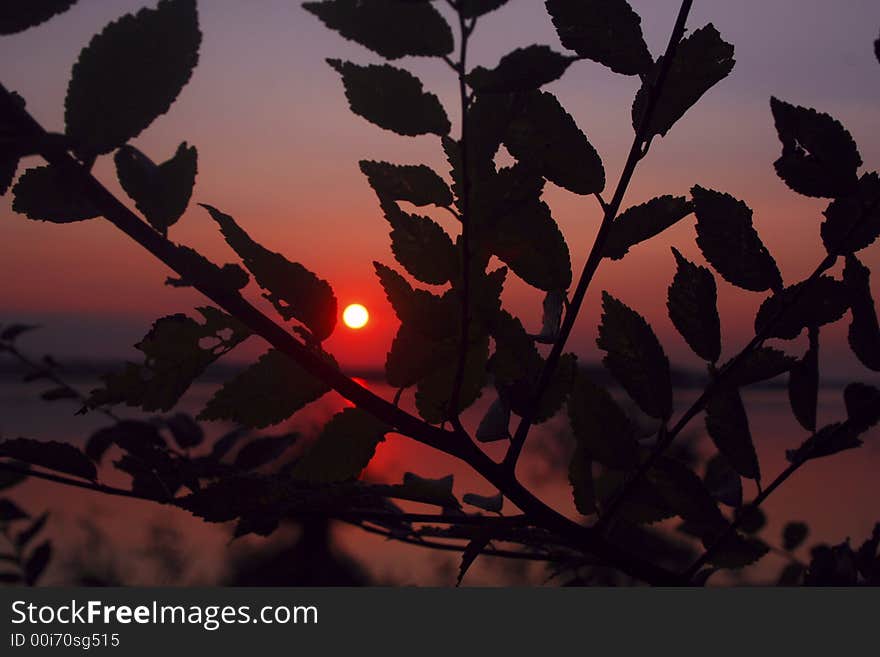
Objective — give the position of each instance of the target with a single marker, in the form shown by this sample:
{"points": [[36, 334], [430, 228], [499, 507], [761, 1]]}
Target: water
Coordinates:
{"points": [[136, 542]]}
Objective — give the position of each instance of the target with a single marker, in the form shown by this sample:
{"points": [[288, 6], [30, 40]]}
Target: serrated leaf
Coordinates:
{"points": [[606, 31], [524, 69], [728, 426], [343, 449], [390, 28], [196, 269], [862, 405], [19, 15], [476, 8], [693, 308], [635, 357], [793, 535], [737, 551], [759, 365], [701, 61], [803, 384], [642, 222], [827, 441], [495, 424], [421, 245], [490, 503], [816, 302], [177, 350], [130, 74], [819, 157], [161, 192], [51, 454], [46, 194], [266, 393], [392, 98], [832, 566], [416, 184], [546, 137], [186, 431], [294, 291], [864, 330], [685, 494], [852, 222], [411, 358], [263, 450], [434, 392], [723, 482], [36, 563], [601, 428], [644, 503], [580, 476], [729, 242], [521, 394], [429, 315]]}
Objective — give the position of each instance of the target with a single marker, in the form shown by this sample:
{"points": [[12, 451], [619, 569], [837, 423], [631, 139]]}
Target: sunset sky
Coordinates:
{"points": [[278, 150]]}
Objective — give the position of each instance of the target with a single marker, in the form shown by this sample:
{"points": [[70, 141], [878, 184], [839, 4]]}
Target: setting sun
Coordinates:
{"points": [[355, 316]]}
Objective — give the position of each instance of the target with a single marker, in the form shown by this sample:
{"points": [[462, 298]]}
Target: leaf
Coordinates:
{"points": [[343, 449], [19, 15], [546, 137], [28, 534], [434, 393], [730, 243], [390, 28], [293, 290], [580, 476], [8, 169], [723, 482], [852, 222], [422, 246], [693, 308], [515, 357], [606, 31], [177, 350], [8, 478], [51, 454], [832, 566], [728, 426], [551, 317], [814, 302], [196, 269], [476, 8], [524, 69], [266, 393], [37, 562], [263, 450], [412, 358], [13, 331], [758, 365], [819, 157], [793, 535], [635, 357], [227, 441], [701, 61], [803, 384], [47, 194], [738, 551], [161, 192], [751, 519], [416, 184], [10, 512], [829, 440], [601, 428], [495, 424], [491, 503], [644, 504], [130, 74], [862, 405], [433, 491], [864, 331], [642, 222], [431, 316], [791, 575], [521, 394], [472, 550], [684, 493], [392, 98], [186, 431]]}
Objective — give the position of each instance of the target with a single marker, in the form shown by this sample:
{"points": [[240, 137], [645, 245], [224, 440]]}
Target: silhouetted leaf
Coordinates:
{"points": [[551, 317], [161, 192], [829, 440], [293, 290], [266, 393], [635, 357], [793, 535], [12, 332], [524, 69], [723, 481], [816, 302], [431, 316], [10, 511], [832, 566], [19, 15], [343, 448], [601, 428], [853, 222], [36, 563], [803, 384], [580, 476], [819, 156], [642, 222], [186, 431], [434, 491], [701, 61], [791, 575], [27, 535], [644, 504], [864, 331], [475, 8], [46, 194], [130, 74], [491, 503], [693, 308], [392, 99], [261, 451], [8, 169], [751, 519], [416, 184], [434, 393], [606, 31], [515, 357], [546, 137], [738, 551], [472, 550], [730, 243], [195, 269], [495, 424], [759, 365], [728, 426], [421, 245], [862, 405], [51, 455], [391, 28], [685, 494], [867, 558], [227, 441], [412, 357], [176, 351]]}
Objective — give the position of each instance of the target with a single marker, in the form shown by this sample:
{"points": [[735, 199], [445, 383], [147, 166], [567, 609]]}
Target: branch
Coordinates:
{"points": [[636, 153], [78, 483]]}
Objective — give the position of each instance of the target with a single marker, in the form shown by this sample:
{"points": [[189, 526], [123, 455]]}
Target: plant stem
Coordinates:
{"points": [[594, 259]]}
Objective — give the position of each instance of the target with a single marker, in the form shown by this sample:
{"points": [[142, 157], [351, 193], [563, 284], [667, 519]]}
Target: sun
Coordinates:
{"points": [[355, 316]]}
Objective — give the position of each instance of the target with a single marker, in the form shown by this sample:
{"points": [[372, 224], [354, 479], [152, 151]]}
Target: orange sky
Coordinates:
{"points": [[278, 150]]}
